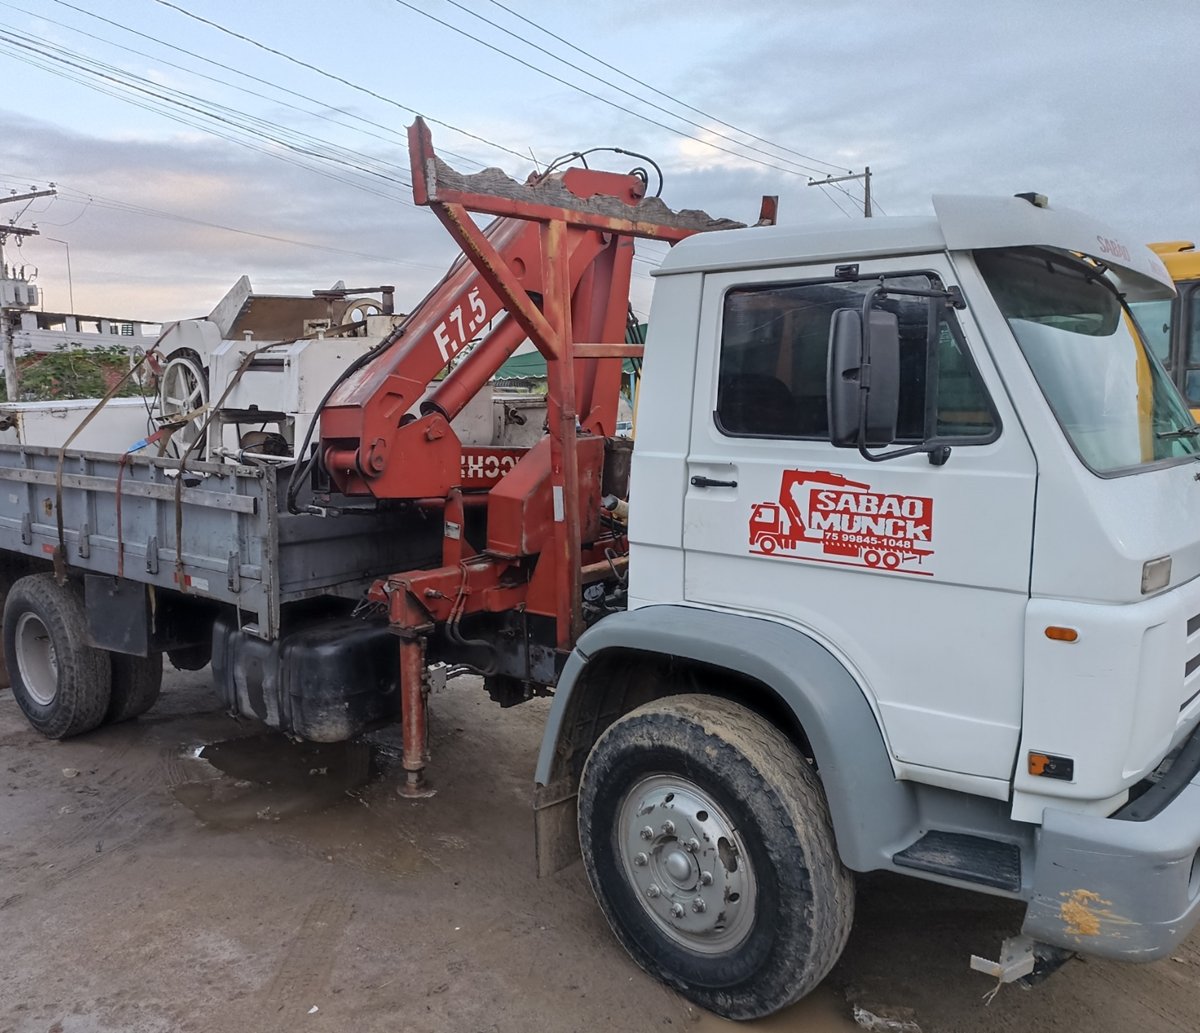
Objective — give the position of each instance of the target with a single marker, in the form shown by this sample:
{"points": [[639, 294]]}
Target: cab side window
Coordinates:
{"points": [[774, 344], [1191, 327]]}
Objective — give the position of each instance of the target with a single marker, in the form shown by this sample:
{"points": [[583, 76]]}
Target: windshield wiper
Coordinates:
{"points": [[1183, 432]]}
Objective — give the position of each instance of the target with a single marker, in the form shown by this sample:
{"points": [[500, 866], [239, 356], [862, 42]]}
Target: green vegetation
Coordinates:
{"points": [[80, 373]]}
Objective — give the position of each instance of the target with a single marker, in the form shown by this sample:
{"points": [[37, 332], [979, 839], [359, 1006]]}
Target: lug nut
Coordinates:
{"points": [[652, 891], [691, 846], [640, 860], [699, 906], [676, 910], [706, 878], [668, 828], [647, 832]]}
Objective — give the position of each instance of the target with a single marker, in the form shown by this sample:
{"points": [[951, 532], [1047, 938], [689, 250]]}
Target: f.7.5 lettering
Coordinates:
{"points": [[453, 332]]}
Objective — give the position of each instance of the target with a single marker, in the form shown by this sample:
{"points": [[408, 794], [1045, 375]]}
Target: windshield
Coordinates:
{"points": [[1111, 396]]}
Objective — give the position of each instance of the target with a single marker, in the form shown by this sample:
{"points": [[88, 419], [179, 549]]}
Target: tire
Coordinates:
{"points": [[8, 577], [748, 813], [136, 683], [61, 683]]}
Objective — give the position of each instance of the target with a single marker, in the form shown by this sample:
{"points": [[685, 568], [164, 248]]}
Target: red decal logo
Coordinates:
{"points": [[825, 517]]}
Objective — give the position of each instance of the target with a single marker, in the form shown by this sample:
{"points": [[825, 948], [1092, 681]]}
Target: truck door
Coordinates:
{"points": [[915, 575]]}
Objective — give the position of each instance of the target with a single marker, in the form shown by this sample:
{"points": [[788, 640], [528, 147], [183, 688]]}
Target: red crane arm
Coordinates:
{"points": [[559, 238], [557, 260]]}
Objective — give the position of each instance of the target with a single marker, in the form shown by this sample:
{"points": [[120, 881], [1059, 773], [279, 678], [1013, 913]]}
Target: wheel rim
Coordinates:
{"points": [[687, 864], [36, 659], [184, 390]]}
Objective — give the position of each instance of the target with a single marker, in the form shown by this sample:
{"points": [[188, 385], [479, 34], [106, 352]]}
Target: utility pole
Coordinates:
{"points": [[11, 299], [865, 176]]}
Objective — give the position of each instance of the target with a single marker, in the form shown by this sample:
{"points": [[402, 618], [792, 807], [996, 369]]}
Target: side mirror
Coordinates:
{"points": [[844, 378]]}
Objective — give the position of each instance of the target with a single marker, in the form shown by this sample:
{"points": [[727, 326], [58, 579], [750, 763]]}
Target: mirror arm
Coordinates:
{"points": [[938, 454]]}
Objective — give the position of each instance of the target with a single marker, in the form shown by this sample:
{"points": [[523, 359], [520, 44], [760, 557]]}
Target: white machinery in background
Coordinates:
{"points": [[250, 377], [264, 362]]}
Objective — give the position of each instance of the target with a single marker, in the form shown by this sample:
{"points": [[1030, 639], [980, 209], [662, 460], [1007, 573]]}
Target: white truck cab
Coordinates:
{"points": [[950, 568]]}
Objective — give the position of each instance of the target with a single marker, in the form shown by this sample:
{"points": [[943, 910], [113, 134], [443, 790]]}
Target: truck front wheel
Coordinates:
{"points": [[707, 841], [61, 683]]}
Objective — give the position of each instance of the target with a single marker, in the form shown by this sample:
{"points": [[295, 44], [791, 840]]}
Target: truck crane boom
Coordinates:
{"points": [[371, 437], [553, 267]]}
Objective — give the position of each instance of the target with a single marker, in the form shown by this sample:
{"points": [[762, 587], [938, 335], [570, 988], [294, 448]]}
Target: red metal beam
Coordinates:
{"points": [[548, 198]]}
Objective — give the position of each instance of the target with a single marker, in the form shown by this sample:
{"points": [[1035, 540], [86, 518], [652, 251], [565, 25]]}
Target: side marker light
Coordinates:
{"points": [[1059, 634], [1047, 765]]}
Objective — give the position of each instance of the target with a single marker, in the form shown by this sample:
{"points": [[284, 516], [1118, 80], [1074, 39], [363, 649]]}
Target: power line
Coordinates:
{"points": [[393, 136], [858, 201], [131, 208], [575, 86], [148, 106], [336, 78], [152, 97], [834, 200], [654, 89], [627, 93]]}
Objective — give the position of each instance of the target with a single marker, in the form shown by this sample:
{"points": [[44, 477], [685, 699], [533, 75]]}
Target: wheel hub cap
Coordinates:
{"points": [[36, 660], [687, 864], [678, 866]]}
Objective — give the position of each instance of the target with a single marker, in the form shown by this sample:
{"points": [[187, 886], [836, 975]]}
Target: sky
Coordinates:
{"points": [[193, 141]]}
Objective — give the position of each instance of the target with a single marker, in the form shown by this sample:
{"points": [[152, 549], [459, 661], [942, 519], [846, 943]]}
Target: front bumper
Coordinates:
{"points": [[1128, 890]]}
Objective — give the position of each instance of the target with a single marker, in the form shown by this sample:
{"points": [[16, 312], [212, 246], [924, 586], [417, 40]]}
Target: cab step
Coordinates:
{"points": [[986, 862]]}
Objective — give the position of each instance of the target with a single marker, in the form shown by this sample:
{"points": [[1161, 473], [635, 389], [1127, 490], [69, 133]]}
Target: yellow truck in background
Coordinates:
{"points": [[1172, 326]]}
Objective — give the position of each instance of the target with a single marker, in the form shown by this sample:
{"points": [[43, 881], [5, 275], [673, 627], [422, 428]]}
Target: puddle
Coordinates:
{"points": [[822, 1011], [269, 778]]}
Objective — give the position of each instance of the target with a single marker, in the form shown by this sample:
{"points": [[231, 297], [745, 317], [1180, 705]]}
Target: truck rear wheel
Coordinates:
{"points": [[61, 683], [136, 684], [707, 841]]}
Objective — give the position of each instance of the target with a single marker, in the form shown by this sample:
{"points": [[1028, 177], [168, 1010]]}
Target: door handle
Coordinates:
{"points": [[708, 482]]}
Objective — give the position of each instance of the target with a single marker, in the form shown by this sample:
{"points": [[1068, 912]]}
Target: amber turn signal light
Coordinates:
{"points": [[1061, 634]]}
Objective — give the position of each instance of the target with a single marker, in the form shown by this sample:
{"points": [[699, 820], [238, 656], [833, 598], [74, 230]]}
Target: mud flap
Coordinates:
{"points": [[555, 827]]}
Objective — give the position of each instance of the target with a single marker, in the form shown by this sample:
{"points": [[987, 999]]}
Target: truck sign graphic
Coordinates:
{"points": [[824, 517]]}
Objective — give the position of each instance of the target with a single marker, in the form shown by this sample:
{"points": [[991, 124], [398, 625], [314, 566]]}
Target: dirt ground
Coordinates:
{"points": [[268, 885]]}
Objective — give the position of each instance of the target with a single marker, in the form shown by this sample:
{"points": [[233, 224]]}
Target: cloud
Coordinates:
{"points": [[1089, 102], [139, 265]]}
